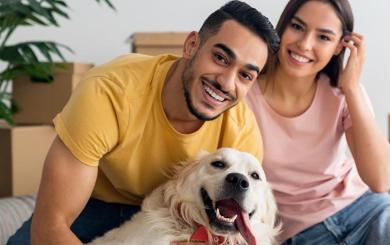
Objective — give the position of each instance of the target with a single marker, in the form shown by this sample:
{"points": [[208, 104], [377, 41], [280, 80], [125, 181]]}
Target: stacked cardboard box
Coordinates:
{"points": [[40, 102], [23, 147], [22, 152], [154, 43]]}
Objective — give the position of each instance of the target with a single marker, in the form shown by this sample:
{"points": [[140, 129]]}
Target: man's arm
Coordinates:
{"points": [[65, 188]]}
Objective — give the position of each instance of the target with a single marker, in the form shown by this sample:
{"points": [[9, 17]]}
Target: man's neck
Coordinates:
{"points": [[174, 102]]}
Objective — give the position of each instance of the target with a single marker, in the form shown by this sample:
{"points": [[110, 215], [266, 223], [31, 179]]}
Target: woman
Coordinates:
{"points": [[304, 104]]}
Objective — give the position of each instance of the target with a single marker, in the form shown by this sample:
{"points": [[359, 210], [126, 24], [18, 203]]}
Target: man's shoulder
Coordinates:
{"points": [[240, 130], [130, 65], [135, 71], [240, 114]]}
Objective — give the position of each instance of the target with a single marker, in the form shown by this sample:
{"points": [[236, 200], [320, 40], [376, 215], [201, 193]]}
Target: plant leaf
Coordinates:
{"points": [[24, 52], [108, 2], [6, 113]]}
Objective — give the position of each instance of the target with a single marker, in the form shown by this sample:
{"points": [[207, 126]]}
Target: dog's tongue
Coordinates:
{"points": [[229, 208]]}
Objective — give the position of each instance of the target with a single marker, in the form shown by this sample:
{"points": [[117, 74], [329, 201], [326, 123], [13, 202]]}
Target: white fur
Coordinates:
{"points": [[161, 221]]}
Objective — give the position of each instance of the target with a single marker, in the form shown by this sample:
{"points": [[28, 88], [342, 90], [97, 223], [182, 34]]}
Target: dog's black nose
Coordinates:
{"points": [[238, 181]]}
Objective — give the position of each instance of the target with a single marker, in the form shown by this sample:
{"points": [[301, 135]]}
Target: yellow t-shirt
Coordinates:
{"points": [[115, 120]]}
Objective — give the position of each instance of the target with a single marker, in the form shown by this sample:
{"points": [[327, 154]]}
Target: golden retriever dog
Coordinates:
{"points": [[222, 198]]}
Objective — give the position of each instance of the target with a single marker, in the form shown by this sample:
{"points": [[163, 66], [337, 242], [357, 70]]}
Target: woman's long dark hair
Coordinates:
{"points": [[344, 12]]}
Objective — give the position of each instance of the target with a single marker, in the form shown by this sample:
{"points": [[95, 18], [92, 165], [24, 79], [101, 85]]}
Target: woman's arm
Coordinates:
{"points": [[369, 147]]}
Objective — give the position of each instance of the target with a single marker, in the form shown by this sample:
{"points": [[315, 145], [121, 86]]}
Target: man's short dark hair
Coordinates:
{"points": [[247, 16]]}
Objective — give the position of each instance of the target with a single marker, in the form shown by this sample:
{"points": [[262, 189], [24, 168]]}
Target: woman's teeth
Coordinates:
{"points": [[299, 58]]}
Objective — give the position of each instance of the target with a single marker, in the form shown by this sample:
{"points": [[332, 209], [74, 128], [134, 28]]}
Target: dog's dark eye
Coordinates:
{"points": [[218, 164], [255, 175]]}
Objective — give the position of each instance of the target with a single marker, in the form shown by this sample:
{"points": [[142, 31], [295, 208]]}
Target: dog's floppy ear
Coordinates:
{"points": [[271, 207], [202, 154], [271, 214], [181, 168]]}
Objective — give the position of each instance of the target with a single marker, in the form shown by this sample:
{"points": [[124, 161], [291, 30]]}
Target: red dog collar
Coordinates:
{"points": [[202, 235]]}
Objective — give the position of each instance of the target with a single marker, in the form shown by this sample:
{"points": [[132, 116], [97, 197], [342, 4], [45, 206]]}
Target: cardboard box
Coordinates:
{"points": [[388, 130], [23, 150], [154, 43], [39, 103]]}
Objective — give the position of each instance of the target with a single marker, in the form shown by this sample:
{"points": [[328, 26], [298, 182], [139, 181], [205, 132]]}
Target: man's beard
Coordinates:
{"points": [[187, 77]]}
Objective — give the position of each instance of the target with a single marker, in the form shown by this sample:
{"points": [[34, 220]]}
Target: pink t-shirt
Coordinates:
{"points": [[306, 158]]}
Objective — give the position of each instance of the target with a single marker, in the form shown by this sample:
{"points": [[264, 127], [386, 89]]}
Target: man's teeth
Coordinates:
{"points": [[212, 94], [299, 58], [222, 218]]}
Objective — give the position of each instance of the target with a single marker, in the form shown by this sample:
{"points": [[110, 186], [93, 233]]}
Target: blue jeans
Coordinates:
{"points": [[96, 218], [365, 221]]}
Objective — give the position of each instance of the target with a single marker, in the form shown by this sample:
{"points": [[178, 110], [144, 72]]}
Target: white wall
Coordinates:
{"points": [[97, 34]]}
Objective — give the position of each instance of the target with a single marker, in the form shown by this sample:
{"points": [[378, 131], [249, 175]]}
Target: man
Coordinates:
{"points": [[133, 118]]}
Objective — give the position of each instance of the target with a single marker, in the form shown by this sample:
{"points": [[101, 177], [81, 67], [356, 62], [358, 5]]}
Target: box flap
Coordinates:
{"points": [[74, 68], [158, 38]]}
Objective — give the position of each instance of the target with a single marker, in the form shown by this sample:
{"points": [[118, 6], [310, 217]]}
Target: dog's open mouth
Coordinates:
{"points": [[226, 216]]}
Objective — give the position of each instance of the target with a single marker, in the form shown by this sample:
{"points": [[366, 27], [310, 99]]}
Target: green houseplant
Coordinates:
{"points": [[32, 58]]}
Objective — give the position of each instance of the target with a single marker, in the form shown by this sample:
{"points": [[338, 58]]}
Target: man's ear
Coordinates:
{"points": [[191, 44]]}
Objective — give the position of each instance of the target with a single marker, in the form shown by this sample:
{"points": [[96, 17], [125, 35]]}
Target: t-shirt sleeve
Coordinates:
{"points": [[247, 137], [88, 124], [251, 139], [346, 117]]}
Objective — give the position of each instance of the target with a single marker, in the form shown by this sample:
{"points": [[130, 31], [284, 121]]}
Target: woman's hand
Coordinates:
{"points": [[349, 78], [370, 149]]}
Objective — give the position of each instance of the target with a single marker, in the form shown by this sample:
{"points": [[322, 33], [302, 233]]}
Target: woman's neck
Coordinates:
{"points": [[286, 87], [287, 95]]}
